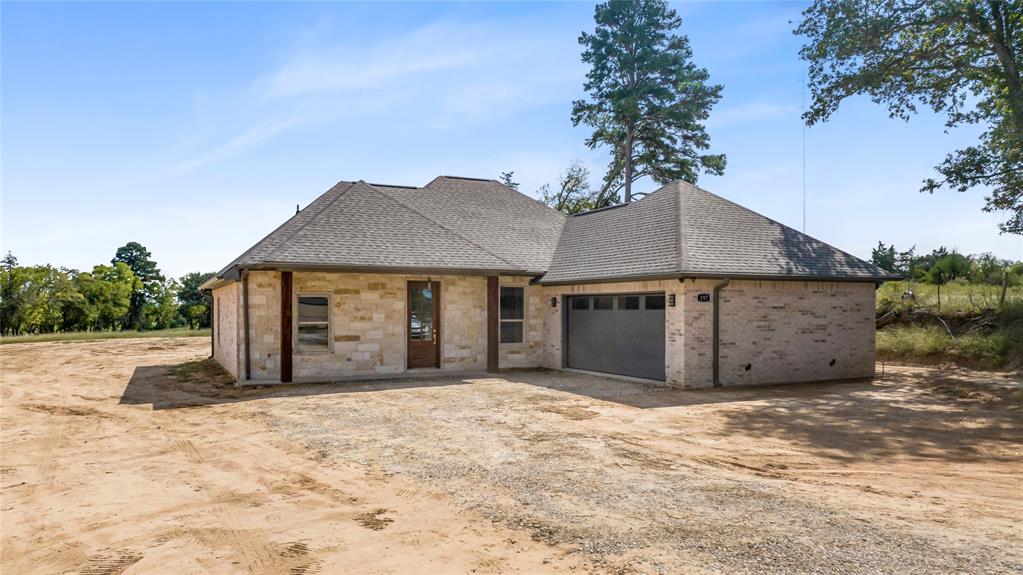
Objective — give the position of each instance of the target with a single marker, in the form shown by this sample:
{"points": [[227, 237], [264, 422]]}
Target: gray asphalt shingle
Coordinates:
{"points": [[481, 225], [683, 230], [452, 223]]}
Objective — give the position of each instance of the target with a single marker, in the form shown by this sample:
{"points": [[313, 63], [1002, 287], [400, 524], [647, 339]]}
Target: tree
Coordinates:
{"points": [[507, 179], [161, 312], [193, 305], [148, 276], [108, 291], [884, 256], [948, 267], [957, 57], [648, 101], [574, 194], [10, 283]]}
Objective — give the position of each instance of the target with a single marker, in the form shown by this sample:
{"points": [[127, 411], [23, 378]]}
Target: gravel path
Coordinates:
{"points": [[644, 489]]}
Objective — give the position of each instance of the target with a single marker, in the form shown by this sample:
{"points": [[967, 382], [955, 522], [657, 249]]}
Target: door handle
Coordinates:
{"points": [[434, 337]]}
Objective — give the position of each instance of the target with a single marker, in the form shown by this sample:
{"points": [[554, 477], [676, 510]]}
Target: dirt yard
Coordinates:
{"points": [[138, 456]]}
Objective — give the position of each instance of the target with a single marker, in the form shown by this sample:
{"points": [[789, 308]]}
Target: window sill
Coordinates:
{"points": [[313, 351]]}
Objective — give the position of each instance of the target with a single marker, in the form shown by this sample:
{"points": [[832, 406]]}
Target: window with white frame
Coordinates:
{"points": [[513, 314], [313, 325]]}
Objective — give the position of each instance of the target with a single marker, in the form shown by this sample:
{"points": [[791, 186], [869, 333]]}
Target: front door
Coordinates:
{"points": [[423, 324]]}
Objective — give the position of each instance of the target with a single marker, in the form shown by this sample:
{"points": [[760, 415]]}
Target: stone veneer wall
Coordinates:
{"points": [[264, 327], [784, 331], [529, 353], [226, 306], [368, 323], [673, 318]]}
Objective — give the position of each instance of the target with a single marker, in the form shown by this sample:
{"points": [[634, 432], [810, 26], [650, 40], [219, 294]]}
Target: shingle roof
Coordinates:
{"points": [[483, 226], [682, 230], [452, 224]]}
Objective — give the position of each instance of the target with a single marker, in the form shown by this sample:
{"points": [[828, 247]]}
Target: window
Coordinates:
{"points": [[603, 302], [513, 314], [580, 303], [628, 302], [313, 323], [655, 302]]}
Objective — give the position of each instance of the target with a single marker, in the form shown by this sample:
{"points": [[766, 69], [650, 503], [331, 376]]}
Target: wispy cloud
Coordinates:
{"points": [[343, 68], [243, 141], [445, 75]]}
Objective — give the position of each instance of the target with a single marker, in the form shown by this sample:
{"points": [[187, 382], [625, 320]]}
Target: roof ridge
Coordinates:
{"points": [[441, 226], [393, 186], [776, 222], [286, 222], [468, 178], [311, 219]]}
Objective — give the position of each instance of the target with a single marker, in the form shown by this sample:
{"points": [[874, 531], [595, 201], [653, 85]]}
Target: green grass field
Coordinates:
{"points": [[97, 335]]}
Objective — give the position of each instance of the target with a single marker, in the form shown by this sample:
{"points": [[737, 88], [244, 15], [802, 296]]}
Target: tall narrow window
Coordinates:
{"points": [[313, 323], [513, 314]]}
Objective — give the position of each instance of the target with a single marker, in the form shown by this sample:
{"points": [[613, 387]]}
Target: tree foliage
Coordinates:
{"points": [[574, 194], [944, 265], [961, 58], [45, 299], [508, 179], [148, 286], [647, 99]]}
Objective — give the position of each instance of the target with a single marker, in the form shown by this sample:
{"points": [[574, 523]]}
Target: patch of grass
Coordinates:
{"points": [[992, 339], [98, 335], [955, 296]]}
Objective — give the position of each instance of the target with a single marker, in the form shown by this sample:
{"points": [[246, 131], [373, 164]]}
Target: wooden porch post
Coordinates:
{"points": [[286, 327], [493, 325]]}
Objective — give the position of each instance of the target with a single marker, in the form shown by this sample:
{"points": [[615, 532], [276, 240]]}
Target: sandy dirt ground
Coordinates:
{"points": [[139, 456]]}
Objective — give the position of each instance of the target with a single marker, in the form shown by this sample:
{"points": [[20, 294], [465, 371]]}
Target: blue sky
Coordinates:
{"points": [[195, 129]]}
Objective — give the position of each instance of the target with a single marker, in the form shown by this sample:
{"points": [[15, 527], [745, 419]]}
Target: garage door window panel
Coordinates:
{"points": [[513, 314]]}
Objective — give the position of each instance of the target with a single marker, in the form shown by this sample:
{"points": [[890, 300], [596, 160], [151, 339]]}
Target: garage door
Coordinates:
{"points": [[620, 334]]}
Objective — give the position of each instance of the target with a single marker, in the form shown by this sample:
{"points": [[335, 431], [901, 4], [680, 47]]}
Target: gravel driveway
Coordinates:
{"points": [[799, 479], [141, 456]]}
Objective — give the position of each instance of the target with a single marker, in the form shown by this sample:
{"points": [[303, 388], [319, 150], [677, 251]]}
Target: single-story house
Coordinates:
{"points": [[467, 274]]}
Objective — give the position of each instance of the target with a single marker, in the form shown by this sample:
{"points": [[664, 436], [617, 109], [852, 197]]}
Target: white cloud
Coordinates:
{"points": [[350, 67], [244, 141], [444, 75]]}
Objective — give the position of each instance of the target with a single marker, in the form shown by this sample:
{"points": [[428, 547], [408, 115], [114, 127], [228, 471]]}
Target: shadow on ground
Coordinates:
{"points": [[928, 414], [203, 382]]}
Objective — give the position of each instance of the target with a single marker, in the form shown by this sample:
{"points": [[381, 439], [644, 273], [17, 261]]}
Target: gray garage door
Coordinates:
{"points": [[621, 334]]}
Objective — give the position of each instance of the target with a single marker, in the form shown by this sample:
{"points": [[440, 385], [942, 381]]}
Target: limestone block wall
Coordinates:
{"points": [[264, 326], [673, 320], [779, 332], [368, 325], [529, 353], [226, 304]]}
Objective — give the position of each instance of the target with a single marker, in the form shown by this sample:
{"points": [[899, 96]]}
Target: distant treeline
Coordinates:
{"points": [[943, 265], [129, 294]]}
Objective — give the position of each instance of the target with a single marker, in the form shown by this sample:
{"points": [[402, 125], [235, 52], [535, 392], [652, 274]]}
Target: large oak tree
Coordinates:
{"points": [[959, 58]]}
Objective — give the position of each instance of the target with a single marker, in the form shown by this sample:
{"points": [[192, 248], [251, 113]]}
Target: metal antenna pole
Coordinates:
{"points": [[802, 95]]}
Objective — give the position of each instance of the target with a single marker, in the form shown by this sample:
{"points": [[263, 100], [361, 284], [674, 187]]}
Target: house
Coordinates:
{"points": [[466, 275]]}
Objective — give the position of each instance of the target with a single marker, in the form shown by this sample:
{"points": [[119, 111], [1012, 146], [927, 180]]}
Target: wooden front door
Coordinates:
{"points": [[423, 324]]}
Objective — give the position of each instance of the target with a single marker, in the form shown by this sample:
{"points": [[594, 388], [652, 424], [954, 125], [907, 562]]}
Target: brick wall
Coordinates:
{"points": [[779, 332], [784, 331]]}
